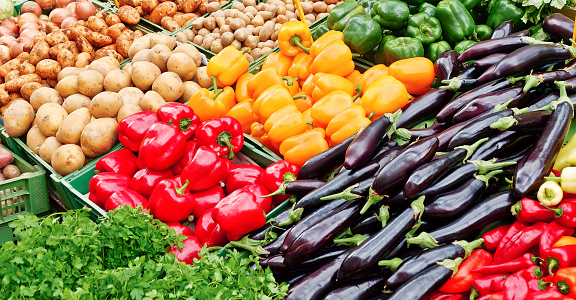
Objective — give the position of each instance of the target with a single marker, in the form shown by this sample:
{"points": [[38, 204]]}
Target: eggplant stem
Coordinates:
{"points": [[485, 166], [293, 216], [418, 207], [502, 106], [504, 123], [352, 241], [383, 215], [531, 81], [451, 264], [424, 240], [556, 179], [346, 194], [453, 84], [372, 199], [469, 247], [471, 148], [280, 191], [486, 177], [251, 245], [391, 264]]}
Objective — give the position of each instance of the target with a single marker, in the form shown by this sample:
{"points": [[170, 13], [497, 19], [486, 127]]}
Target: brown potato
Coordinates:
{"points": [[169, 86], [48, 69], [124, 41], [11, 65], [169, 24], [102, 66], [55, 38], [112, 19], [5, 157], [71, 128], [131, 95], [35, 139], [90, 83], [183, 65], [128, 14], [165, 9], [68, 71], [27, 68], [66, 58], [49, 117], [99, 136], [139, 44], [191, 51], [98, 39], [45, 95], [85, 46], [117, 80], [48, 147], [82, 60], [115, 30], [11, 171], [76, 101], [149, 5], [126, 111], [144, 73], [202, 77], [190, 87], [29, 88], [67, 159], [68, 86], [98, 25], [106, 105], [16, 84], [152, 101]]}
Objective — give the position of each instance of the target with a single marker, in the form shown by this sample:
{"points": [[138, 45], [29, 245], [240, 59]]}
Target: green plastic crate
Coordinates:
{"points": [[10, 143]]}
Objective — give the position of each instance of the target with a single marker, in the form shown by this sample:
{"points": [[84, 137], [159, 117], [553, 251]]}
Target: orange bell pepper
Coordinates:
{"points": [[257, 130], [564, 241], [209, 105], [323, 41], [372, 75], [308, 118], [278, 61], [299, 148], [284, 123], [354, 77], [336, 58], [565, 280], [263, 80], [265, 140], [308, 85], [385, 95], [300, 67], [325, 84], [271, 100], [244, 113], [346, 123], [416, 73], [291, 85], [227, 66], [302, 103], [330, 106], [293, 38], [241, 88]]}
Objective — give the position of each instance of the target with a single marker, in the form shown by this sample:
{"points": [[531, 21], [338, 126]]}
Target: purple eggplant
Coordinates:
{"points": [[423, 285], [470, 72], [274, 247], [363, 289], [459, 84], [364, 145], [502, 143], [488, 61], [303, 186], [322, 163], [499, 45], [503, 30], [524, 32], [544, 100], [434, 129], [478, 129], [513, 96], [558, 26], [487, 75], [533, 121], [447, 65], [425, 107], [535, 79]]}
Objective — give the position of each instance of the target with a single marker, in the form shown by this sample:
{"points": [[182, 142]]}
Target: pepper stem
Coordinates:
{"points": [[355, 240], [180, 191], [224, 139], [558, 212], [424, 240], [469, 247], [346, 194], [556, 179], [373, 198], [471, 148], [296, 41], [516, 208], [355, 55], [563, 287], [531, 81], [215, 87], [185, 124], [359, 90], [451, 264], [486, 177], [251, 245], [553, 264], [299, 97], [289, 81], [391, 264], [504, 123]]}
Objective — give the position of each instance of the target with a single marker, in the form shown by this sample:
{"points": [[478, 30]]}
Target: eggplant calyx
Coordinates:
{"points": [[383, 215], [352, 241], [485, 166], [469, 247], [451, 264], [346, 194], [424, 240], [293, 216], [486, 177], [453, 84], [394, 117], [249, 244], [471, 148], [391, 264], [280, 191], [502, 106], [531, 81], [571, 49], [519, 111], [372, 199], [418, 207], [533, 41], [563, 97], [504, 123]]}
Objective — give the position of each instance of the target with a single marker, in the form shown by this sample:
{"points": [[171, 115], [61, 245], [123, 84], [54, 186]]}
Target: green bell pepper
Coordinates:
{"points": [[504, 10], [391, 14], [413, 9], [463, 45], [427, 8], [457, 23], [482, 32], [368, 5], [479, 14], [425, 28], [379, 57], [362, 34], [415, 2], [402, 48], [341, 14], [470, 4], [319, 31], [435, 49]]}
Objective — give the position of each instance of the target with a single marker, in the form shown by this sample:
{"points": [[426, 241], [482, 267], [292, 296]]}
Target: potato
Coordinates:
{"points": [[208, 40], [131, 95], [181, 37], [212, 7], [169, 86], [127, 67], [16, 84], [198, 40], [5, 157], [68, 71], [139, 44], [71, 128], [144, 73], [183, 65], [55, 38], [102, 52], [266, 31], [4, 97], [191, 51], [48, 69], [152, 101], [106, 105], [82, 60], [98, 25], [115, 30], [165, 9], [124, 41], [190, 87], [27, 68], [49, 117], [67, 159], [68, 86], [99, 136], [10, 171], [168, 41], [44, 95], [112, 19], [184, 19], [127, 110], [149, 5], [117, 80], [102, 66], [75, 102], [169, 24], [11, 65], [48, 147], [66, 58], [128, 15], [90, 83], [251, 41], [29, 88], [98, 39]]}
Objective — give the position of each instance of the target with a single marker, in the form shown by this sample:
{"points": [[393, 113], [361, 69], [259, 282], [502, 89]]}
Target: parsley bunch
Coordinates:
{"points": [[69, 256]]}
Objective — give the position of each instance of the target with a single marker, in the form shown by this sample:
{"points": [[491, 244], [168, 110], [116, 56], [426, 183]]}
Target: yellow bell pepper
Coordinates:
{"points": [[271, 100], [291, 85], [244, 113], [302, 103], [416, 73], [323, 41], [346, 123], [227, 66], [278, 61], [209, 105], [385, 95], [299, 148], [354, 77], [263, 80], [330, 106], [284, 123], [308, 85], [372, 75], [564, 241], [241, 88], [336, 58], [300, 67], [293, 38], [325, 84]]}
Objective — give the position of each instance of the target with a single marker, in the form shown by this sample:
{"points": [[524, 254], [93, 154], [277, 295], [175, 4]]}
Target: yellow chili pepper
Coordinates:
{"points": [[346, 123], [299, 148], [325, 84], [303, 103], [241, 88], [291, 85], [293, 38], [209, 105], [336, 58], [564, 241], [271, 100], [227, 66], [244, 113], [300, 67], [385, 95], [284, 123], [354, 77], [566, 154], [278, 61], [330, 106], [372, 75], [308, 85], [323, 41], [263, 80]]}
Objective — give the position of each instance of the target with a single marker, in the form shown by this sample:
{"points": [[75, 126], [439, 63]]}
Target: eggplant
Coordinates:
{"points": [[459, 84], [387, 146], [514, 96], [558, 26], [260, 233], [423, 108], [274, 247], [294, 280], [423, 285], [502, 143], [478, 129], [533, 121], [303, 186], [322, 163], [447, 65], [503, 30], [319, 235], [488, 61], [434, 129], [364, 145], [499, 45], [364, 289], [367, 224], [566, 73], [470, 72], [544, 100], [276, 262], [364, 258], [524, 32]]}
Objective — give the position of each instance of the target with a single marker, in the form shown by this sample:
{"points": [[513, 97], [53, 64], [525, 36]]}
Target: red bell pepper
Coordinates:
{"points": [[103, 185], [122, 161], [493, 237], [180, 116], [515, 288], [260, 191], [189, 151], [565, 214], [552, 233], [545, 295], [520, 243], [276, 174], [494, 296], [191, 249], [241, 176], [445, 296], [162, 146], [125, 197], [483, 286], [145, 180], [206, 199], [538, 285], [209, 232], [169, 202], [180, 229], [223, 135], [131, 129], [205, 170], [531, 211], [561, 257], [511, 266], [462, 280]]}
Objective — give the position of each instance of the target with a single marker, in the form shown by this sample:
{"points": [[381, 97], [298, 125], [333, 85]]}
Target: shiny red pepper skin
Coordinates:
{"points": [[462, 280], [170, 202], [259, 190], [511, 266], [162, 146], [189, 151], [125, 197], [205, 170], [206, 199], [530, 211], [131, 129], [493, 237], [494, 296], [191, 249], [103, 185], [566, 214], [276, 174], [552, 233], [180, 116], [445, 296], [512, 230], [209, 232], [515, 288], [223, 135], [180, 229], [145, 180], [484, 285], [241, 176], [520, 243], [122, 161], [545, 295], [561, 257]]}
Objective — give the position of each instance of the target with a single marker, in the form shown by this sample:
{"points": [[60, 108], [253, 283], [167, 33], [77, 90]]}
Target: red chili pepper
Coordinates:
{"points": [[445, 296], [241, 176], [180, 116], [145, 180], [552, 233], [483, 285], [512, 266], [542, 295], [565, 214], [498, 285], [103, 185], [131, 129], [162, 146], [512, 230], [125, 197], [191, 249], [223, 135], [206, 199], [532, 272], [493, 237], [205, 170], [208, 231], [494, 296], [561, 257], [169, 202], [276, 174], [122, 161], [180, 229], [189, 151], [520, 243], [556, 173], [515, 287], [462, 280], [531, 211]]}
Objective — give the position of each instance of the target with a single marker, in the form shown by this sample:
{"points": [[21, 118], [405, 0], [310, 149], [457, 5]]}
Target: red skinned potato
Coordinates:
{"points": [[5, 157]]}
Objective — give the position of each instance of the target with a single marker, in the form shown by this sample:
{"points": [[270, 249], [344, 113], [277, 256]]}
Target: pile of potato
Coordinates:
{"points": [[250, 25]]}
